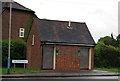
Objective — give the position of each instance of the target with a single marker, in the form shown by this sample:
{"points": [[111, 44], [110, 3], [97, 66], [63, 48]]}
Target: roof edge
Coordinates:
{"points": [[70, 44], [61, 21], [19, 9], [90, 33], [27, 9]]}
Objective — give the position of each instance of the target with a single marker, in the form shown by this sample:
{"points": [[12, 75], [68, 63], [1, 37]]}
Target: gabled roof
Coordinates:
{"points": [[52, 31], [15, 5]]}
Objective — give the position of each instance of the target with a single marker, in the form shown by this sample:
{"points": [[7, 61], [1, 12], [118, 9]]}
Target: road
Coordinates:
{"points": [[100, 78]]}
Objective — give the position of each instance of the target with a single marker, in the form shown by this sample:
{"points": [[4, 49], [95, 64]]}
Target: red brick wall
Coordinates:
{"points": [[19, 19], [68, 60], [34, 52], [68, 63]]}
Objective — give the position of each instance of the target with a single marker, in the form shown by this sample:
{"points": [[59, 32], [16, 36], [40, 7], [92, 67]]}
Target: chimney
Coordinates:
{"points": [[69, 25]]}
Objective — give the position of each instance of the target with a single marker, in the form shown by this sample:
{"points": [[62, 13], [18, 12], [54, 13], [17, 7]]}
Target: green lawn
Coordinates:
{"points": [[20, 71], [116, 70]]}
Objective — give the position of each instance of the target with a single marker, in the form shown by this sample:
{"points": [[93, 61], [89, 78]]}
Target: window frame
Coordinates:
{"points": [[21, 30]]}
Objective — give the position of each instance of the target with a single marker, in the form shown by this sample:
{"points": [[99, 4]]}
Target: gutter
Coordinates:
{"points": [[71, 44]]}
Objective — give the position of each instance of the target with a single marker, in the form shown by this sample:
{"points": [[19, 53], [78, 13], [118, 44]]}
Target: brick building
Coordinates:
{"points": [[51, 44], [21, 18], [60, 45]]}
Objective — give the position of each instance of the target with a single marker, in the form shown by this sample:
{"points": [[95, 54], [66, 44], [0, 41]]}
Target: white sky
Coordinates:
{"points": [[101, 16]]}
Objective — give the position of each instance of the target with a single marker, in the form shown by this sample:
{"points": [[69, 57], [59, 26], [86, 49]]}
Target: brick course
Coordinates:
{"points": [[68, 60], [67, 63]]}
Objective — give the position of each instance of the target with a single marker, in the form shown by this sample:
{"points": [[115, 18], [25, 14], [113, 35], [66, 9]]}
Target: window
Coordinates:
{"points": [[21, 32]]}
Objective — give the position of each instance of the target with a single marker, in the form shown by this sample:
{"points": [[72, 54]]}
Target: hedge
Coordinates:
{"points": [[18, 50], [106, 56]]}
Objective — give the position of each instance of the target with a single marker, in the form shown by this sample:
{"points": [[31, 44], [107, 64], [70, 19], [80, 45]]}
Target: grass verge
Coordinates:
{"points": [[20, 71], [116, 70]]}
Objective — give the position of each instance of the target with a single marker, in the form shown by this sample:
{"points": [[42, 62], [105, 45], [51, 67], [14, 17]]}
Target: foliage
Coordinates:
{"points": [[18, 50], [27, 28], [107, 56], [107, 40], [118, 40]]}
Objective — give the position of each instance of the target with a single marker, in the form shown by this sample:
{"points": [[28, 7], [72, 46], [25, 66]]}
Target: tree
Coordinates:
{"points": [[107, 40], [118, 40], [106, 56], [112, 36]]}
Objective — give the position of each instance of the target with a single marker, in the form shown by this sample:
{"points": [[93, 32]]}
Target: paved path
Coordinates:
{"points": [[63, 74]]}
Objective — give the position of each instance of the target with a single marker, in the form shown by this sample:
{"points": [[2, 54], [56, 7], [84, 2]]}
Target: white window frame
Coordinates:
{"points": [[21, 31]]}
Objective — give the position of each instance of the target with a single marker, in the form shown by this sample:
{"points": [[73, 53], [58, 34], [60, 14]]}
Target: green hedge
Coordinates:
{"points": [[18, 50], [106, 56]]}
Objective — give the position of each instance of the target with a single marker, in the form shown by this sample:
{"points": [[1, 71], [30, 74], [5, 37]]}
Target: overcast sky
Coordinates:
{"points": [[101, 16]]}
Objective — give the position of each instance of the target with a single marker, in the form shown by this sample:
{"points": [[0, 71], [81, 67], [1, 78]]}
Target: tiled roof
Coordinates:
{"points": [[54, 31], [16, 5]]}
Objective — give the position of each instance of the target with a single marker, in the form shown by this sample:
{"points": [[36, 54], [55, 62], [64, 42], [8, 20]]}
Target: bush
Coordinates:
{"points": [[18, 50], [106, 56], [107, 40]]}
